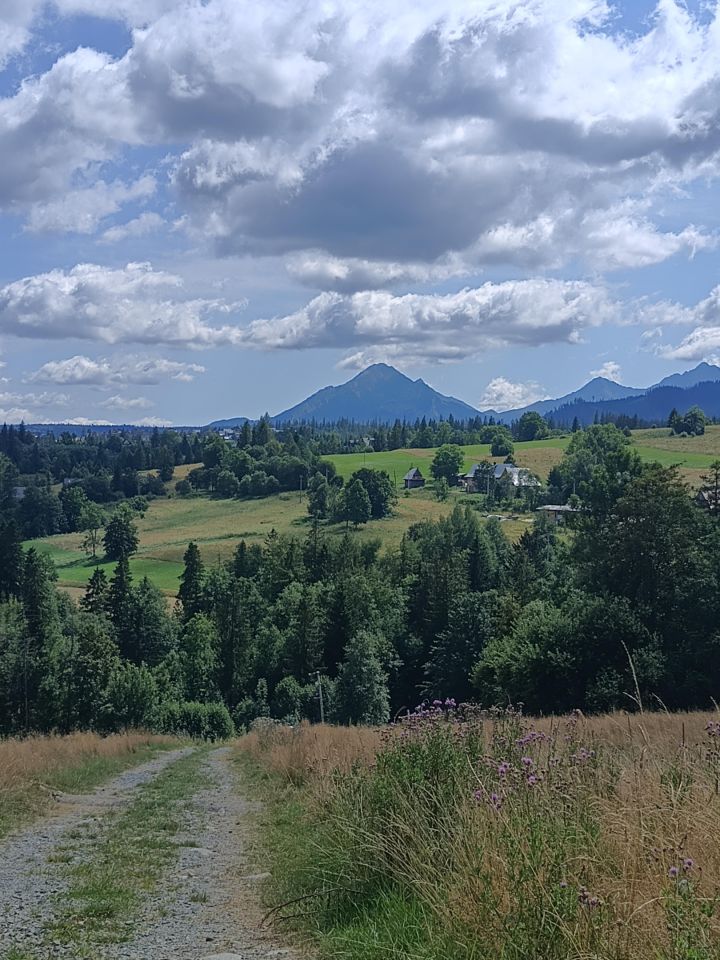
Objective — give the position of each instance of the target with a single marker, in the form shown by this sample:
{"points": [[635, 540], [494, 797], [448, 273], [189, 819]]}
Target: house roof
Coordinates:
{"points": [[520, 476], [472, 472], [413, 474], [559, 508]]}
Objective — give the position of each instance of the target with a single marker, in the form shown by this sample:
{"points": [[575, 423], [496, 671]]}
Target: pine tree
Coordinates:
{"points": [[361, 694], [119, 603], [192, 581], [96, 593]]}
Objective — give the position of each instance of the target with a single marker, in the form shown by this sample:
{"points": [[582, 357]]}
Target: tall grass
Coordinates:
{"points": [[492, 835], [33, 768]]}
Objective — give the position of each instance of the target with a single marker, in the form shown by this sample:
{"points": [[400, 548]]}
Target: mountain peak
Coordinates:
{"points": [[378, 393]]}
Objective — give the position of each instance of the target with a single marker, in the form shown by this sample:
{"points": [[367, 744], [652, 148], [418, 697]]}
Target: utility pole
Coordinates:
{"points": [[322, 702]]}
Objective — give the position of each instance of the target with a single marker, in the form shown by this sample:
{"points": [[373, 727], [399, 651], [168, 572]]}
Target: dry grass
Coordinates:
{"points": [[613, 853], [310, 752], [31, 769]]}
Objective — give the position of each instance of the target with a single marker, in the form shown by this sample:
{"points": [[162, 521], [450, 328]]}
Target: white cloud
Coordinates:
{"points": [[126, 403], [610, 370], [103, 372], [702, 344], [442, 327], [378, 145], [502, 394], [15, 22], [15, 415], [153, 422], [139, 227], [80, 211], [135, 304]]}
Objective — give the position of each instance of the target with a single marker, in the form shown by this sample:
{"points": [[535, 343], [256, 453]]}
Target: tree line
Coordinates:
{"points": [[620, 609]]}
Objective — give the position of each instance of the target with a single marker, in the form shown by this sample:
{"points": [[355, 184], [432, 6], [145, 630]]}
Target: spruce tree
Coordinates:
{"points": [[96, 593], [192, 581], [361, 694]]}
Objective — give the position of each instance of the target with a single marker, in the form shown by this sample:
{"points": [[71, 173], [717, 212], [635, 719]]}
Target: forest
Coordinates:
{"points": [[619, 608]]}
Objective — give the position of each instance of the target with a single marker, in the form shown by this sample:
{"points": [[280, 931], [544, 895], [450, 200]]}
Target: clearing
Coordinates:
{"points": [[155, 863]]}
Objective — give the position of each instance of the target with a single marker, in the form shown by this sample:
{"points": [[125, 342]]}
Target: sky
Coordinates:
{"points": [[212, 208]]}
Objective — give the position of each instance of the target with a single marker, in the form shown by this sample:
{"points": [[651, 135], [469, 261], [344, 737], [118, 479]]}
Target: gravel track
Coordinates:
{"points": [[206, 906]]}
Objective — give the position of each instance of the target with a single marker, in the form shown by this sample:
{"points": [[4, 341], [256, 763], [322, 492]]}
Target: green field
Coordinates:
{"points": [[218, 525], [692, 454]]}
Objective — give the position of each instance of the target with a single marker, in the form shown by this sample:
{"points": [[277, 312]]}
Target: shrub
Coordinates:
{"points": [[201, 721]]}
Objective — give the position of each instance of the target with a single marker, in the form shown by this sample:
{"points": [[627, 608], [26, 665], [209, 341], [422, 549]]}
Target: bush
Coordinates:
{"points": [[201, 721]]}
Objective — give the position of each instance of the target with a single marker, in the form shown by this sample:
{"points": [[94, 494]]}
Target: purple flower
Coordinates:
{"points": [[673, 873], [528, 762], [503, 768], [532, 780], [688, 864]]}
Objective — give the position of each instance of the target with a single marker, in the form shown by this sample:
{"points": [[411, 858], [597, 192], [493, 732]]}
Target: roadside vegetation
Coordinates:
{"points": [[462, 834], [33, 768]]}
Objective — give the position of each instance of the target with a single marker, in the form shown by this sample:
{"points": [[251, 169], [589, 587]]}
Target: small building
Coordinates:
{"points": [[413, 478], [707, 499], [519, 476], [71, 481], [475, 480], [558, 512]]}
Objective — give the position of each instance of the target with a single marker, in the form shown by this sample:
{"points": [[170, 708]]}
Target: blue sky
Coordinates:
{"points": [[214, 208]]}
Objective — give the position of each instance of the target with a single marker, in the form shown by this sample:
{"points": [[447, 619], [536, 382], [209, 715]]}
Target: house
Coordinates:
{"points": [[413, 478], [519, 476], [558, 512], [707, 499], [71, 481], [476, 480]]}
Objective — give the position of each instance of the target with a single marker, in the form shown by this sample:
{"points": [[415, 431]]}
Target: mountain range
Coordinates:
{"points": [[381, 394]]}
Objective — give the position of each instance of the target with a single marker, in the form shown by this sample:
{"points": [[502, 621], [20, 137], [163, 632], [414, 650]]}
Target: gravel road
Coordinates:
{"points": [[205, 907]]}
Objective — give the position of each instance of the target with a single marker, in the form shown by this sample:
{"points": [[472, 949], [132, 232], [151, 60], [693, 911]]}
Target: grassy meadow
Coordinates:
{"points": [[478, 836], [217, 525]]}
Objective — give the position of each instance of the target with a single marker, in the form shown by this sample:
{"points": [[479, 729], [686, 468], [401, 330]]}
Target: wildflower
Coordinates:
{"points": [[688, 864], [673, 873], [532, 780], [503, 769], [528, 762]]}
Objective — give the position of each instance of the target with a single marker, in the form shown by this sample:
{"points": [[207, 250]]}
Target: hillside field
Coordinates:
{"points": [[217, 525]]}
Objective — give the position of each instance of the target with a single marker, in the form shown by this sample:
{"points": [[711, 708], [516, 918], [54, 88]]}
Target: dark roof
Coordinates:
{"points": [[413, 474], [472, 472]]}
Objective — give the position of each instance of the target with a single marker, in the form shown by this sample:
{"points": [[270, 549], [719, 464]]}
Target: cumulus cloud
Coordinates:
{"points": [[442, 327], [502, 394], [135, 304], [382, 144], [104, 372], [610, 370]]}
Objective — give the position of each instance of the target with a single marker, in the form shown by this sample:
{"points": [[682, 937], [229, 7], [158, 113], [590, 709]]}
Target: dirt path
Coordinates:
{"points": [[205, 906]]}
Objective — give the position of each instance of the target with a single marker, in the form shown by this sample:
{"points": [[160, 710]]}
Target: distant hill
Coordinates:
{"points": [[595, 390], [382, 394], [379, 393], [652, 406], [702, 373]]}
